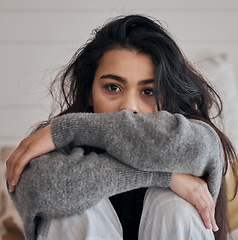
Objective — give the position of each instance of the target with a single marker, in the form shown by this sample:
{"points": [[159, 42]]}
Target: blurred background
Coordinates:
{"points": [[37, 37]]}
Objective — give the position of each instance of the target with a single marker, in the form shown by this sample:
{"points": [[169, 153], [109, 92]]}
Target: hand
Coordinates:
{"points": [[31, 147], [195, 191]]}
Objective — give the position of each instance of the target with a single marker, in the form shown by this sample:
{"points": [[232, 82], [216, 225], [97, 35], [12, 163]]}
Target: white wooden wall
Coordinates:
{"points": [[38, 36]]}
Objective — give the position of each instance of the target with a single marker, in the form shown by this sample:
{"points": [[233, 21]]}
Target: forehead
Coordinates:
{"points": [[126, 62]]}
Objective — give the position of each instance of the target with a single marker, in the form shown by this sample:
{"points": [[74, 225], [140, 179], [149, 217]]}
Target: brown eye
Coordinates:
{"points": [[113, 88], [148, 92]]}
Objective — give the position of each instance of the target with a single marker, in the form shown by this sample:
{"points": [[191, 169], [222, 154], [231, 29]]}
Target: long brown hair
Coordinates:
{"points": [[178, 85]]}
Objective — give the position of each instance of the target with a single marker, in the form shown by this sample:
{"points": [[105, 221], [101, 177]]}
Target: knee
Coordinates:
{"points": [[167, 216], [169, 207]]}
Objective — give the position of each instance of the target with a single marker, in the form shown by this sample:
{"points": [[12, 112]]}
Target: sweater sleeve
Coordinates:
{"points": [[56, 185], [149, 142], [142, 150]]}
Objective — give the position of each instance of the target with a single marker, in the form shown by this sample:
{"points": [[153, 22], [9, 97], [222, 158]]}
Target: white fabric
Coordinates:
{"points": [[97, 223], [165, 216]]}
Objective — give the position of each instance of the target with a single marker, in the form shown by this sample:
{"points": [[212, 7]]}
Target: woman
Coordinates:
{"points": [[150, 127]]}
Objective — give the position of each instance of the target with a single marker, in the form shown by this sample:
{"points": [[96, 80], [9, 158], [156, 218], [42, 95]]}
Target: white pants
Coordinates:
{"points": [[165, 216]]}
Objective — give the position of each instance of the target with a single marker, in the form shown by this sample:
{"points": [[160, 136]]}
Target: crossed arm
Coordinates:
{"points": [[144, 150]]}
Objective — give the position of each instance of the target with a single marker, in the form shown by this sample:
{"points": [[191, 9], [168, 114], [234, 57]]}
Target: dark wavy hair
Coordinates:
{"points": [[179, 87]]}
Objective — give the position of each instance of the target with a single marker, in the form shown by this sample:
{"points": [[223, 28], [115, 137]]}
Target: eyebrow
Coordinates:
{"points": [[123, 80]]}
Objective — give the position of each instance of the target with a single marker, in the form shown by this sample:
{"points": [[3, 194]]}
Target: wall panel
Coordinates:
{"points": [[109, 5], [39, 36], [16, 124], [63, 27], [26, 72]]}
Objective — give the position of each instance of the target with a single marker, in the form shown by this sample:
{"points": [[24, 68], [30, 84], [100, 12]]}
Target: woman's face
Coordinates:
{"points": [[124, 79]]}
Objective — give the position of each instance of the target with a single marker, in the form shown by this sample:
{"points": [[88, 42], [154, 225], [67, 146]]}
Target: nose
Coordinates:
{"points": [[130, 102]]}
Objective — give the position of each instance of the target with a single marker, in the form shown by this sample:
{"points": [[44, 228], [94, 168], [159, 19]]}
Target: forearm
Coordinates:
{"points": [[154, 142], [56, 185]]}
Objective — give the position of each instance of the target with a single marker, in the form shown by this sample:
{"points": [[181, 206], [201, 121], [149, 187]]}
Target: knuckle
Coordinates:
{"points": [[198, 189], [204, 185], [18, 165], [9, 163], [204, 209], [24, 143], [212, 209], [212, 206], [31, 146]]}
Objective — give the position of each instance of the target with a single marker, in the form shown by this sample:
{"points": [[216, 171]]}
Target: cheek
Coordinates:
{"points": [[101, 104], [149, 108], [148, 105]]}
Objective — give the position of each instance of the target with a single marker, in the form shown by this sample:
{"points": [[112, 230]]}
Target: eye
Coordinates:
{"points": [[113, 87], [148, 92]]}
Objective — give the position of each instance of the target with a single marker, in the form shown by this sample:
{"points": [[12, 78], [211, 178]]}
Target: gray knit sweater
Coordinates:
{"points": [[141, 150]]}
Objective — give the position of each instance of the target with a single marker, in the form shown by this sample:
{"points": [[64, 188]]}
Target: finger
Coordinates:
{"points": [[10, 164], [12, 188], [213, 221], [208, 200], [208, 209], [205, 215], [12, 181], [202, 203], [212, 209], [19, 166], [18, 161], [16, 164]]}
